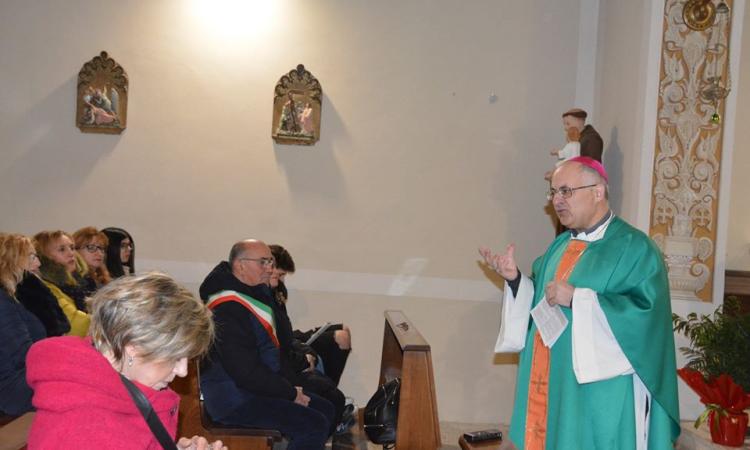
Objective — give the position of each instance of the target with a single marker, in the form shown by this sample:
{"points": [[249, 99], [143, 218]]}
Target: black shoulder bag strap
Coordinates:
{"points": [[148, 413]]}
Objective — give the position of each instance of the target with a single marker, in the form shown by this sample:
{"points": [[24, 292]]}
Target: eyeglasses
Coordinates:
{"points": [[91, 248], [125, 245], [265, 262], [566, 192], [33, 257]]}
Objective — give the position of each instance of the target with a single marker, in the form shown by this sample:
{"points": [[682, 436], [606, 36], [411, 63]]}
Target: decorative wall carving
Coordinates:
{"points": [[102, 101], [296, 108], [688, 152]]}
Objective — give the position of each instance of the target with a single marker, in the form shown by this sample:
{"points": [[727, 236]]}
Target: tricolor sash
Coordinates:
{"points": [[260, 310]]}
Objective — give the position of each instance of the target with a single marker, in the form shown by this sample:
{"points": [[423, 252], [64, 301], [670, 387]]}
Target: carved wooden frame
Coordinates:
{"points": [[297, 103], [102, 100]]}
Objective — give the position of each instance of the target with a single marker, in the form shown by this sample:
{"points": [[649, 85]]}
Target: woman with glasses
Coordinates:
{"points": [[91, 244], [120, 252], [62, 272], [18, 327]]}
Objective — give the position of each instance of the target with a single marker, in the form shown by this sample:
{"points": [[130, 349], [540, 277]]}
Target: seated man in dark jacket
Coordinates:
{"points": [[241, 379]]}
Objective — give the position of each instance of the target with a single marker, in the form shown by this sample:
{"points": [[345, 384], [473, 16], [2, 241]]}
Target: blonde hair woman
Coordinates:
{"points": [[60, 271], [143, 331], [19, 329]]}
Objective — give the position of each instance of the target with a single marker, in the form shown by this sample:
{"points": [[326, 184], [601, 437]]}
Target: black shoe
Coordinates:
{"points": [[347, 422]]}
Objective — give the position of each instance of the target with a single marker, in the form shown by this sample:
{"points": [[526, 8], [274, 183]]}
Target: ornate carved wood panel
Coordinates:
{"points": [[689, 130]]}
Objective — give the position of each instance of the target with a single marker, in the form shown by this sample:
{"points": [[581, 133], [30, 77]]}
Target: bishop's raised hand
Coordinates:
{"points": [[504, 264]]}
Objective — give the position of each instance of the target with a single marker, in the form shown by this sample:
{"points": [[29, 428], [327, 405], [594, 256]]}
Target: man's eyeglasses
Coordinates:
{"points": [[91, 248], [566, 192], [265, 262]]}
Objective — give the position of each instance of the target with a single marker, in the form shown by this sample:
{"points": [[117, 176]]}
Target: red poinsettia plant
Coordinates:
{"points": [[717, 368], [721, 394]]}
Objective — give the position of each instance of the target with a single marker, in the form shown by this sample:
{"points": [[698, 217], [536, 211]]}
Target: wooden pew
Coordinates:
{"points": [[14, 431], [407, 354], [737, 283], [193, 419]]}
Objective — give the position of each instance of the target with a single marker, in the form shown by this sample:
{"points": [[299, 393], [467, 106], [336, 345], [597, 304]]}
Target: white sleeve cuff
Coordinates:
{"points": [[596, 353], [515, 317]]}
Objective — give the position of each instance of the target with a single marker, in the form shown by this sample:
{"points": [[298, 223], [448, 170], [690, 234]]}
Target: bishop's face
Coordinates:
{"points": [[579, 211]]}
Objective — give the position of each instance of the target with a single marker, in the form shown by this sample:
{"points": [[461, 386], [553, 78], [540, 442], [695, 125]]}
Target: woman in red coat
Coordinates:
{"points": [[143, 328]]}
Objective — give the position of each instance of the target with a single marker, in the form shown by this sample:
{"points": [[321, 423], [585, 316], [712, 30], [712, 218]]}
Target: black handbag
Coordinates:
{"points": [[148, 413], [381, 413]]}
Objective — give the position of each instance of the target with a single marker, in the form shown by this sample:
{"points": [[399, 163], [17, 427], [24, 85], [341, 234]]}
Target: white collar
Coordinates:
{"points": [[596, 232]]}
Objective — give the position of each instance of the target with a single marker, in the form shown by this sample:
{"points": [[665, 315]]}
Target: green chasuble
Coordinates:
{"points": [[627, 272]]}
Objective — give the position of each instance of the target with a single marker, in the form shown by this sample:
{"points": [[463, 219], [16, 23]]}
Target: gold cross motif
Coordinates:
{"points": [[538, 430], [535, 433], [539, 383]]}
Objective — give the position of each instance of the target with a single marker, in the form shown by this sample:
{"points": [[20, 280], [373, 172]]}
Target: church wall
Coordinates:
{"points": [[738, 240], [417, 164], [621, 83]]}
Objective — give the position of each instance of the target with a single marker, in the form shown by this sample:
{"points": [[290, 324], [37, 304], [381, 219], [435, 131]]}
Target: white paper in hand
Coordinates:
{"points": [[549, 320]]}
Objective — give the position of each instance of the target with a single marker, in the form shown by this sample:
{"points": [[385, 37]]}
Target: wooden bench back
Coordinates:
{"points": [[407, 354]]}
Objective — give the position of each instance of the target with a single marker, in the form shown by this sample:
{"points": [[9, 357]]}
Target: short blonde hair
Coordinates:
{"points": [[15, 250], [151, 312]]}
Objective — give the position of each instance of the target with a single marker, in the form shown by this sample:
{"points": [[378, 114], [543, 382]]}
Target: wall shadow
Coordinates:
{"points": [[55, 156], [613, 159], [313, 171]]}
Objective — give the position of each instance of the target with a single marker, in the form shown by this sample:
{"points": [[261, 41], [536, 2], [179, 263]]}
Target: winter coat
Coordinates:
{"points": [[82, 403], [19, 329], [37, 298], [244, 360]]}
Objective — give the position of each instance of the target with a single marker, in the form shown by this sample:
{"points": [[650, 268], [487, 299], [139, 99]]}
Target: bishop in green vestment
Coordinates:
{"points": [[610, 380]]}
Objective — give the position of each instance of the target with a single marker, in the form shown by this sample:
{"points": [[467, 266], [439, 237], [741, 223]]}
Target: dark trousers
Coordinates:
{"points": [[306, 427], [323, 386], [334, 359]]}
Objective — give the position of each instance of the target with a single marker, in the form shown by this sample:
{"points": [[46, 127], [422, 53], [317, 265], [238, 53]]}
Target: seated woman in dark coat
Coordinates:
{"points": [[18, 327], [34, 294], [62, 271]]}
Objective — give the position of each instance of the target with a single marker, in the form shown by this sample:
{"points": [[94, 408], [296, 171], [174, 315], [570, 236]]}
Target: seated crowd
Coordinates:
{"points": [[81, 331]]}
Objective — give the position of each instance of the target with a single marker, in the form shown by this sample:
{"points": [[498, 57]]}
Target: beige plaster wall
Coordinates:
{"points": [[415, 168], [621, 85], [738, 240]]}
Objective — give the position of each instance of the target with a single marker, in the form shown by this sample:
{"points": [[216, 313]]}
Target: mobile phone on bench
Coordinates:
{"points": [[483, 435]]}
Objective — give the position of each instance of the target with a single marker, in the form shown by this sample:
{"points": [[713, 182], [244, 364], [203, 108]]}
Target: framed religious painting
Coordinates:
{"points": [[296, 108], [102, 100]]}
